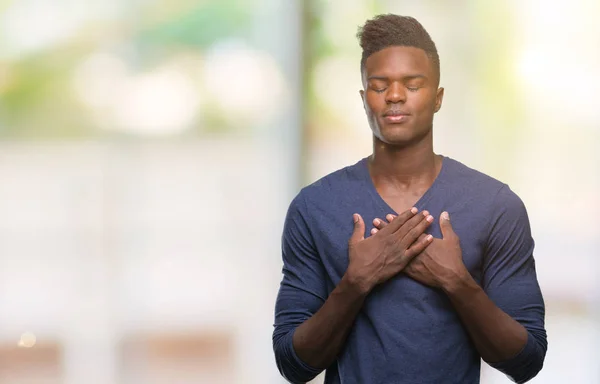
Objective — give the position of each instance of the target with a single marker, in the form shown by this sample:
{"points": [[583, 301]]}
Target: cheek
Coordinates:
{"points": [[425, 104], [374, 102], [371, 114], [368, 108]]}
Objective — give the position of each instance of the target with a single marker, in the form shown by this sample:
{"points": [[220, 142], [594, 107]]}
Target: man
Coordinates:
{"points": [[444, 275]]}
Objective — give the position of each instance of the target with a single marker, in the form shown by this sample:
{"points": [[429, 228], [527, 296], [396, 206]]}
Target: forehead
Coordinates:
{"points": [[398, 61]]}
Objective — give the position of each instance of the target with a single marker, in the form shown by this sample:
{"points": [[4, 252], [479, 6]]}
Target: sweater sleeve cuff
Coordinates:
{"points": [[519, 368], [301, 372]]}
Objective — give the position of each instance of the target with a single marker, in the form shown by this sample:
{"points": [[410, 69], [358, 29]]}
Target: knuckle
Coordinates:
{"points": [[415, 232], [410, 225], [389, 241]]}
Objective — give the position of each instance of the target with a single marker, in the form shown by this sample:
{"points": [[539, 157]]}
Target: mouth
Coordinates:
{"points": [[395, 117]]}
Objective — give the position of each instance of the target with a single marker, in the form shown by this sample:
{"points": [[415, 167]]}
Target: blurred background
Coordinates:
{"points": [[149, 150]]}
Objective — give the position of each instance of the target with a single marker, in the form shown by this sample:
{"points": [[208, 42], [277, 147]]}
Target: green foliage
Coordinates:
{"points": [[37, 101], [200, 26]]}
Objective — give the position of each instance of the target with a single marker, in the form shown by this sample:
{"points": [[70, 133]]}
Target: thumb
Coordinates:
{"points": [[445, 226], [359, 229]]}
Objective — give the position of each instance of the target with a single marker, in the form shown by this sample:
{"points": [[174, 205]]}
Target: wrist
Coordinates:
{"points": [[355, 284], [459, 284]]}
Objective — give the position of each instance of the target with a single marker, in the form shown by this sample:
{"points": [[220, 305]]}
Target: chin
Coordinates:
{"points": [[396, 135], [399, 142], [400, 135]]}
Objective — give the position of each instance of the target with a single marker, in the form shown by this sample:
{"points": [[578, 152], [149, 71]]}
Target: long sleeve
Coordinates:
{"points": [[510, 280], [302, 292]]}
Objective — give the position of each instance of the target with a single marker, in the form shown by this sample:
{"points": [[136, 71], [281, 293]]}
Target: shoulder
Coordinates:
{"points": [[508, 207], [334, 186], [484, 190], [324, 197], [463, 175], [470, 182]]}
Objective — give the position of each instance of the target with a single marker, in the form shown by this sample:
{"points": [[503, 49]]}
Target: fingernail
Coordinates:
{"points": [[355, 217], [429, 218], [390, 217], [376, 221], [373, 231], [445, 216], [425, 213], [429, 238], [414, 210]]}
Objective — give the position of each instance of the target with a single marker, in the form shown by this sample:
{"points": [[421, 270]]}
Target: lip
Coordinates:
{"points": [[395, 117]]}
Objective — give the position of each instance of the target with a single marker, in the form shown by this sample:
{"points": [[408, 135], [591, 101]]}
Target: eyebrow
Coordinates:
{"points": [[408, 77]]}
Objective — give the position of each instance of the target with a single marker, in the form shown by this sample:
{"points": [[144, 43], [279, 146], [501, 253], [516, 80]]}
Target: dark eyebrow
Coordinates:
{"points": [[377, 78], [408, 77]]}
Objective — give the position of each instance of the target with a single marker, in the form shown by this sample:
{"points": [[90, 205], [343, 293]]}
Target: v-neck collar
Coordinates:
{"points": [[368, 181]]}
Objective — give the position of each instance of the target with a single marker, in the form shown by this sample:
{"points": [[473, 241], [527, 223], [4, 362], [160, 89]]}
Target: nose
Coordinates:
{"points": [[395, 94]]}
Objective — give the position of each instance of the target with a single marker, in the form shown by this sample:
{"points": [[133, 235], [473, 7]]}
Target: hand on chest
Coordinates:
{"points": [[465, 227]]}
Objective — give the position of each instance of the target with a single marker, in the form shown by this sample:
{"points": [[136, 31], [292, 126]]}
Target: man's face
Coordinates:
{"points": [[400, 94]]}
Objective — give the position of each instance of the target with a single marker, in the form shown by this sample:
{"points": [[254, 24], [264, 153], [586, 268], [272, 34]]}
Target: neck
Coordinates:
{"points": [[405, 166]]}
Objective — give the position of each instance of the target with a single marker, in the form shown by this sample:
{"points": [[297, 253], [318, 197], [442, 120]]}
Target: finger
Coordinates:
{"points": [[358, 233], [413, 229], [410, 224], [445, 226], [421, 238], [380, 224], [401, 219], [419, 245]]}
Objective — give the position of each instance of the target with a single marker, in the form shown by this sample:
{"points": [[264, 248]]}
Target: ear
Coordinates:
{"points": [[438, 99], [362, 96]]}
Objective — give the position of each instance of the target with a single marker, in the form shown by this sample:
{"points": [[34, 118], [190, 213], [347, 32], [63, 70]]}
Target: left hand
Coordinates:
{"points": [[440, 265]]}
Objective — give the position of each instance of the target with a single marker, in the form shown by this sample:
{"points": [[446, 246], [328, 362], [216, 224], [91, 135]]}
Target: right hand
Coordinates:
{"points": [[383, 255]]}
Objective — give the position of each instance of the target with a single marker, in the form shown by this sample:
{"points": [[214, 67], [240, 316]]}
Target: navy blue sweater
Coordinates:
{"points": [[407, 332]]}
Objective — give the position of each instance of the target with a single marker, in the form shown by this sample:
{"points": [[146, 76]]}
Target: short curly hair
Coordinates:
{"points": [[388, 30]]}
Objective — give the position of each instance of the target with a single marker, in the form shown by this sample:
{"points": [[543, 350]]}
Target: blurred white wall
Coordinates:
{"points": [[100, 243]]}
